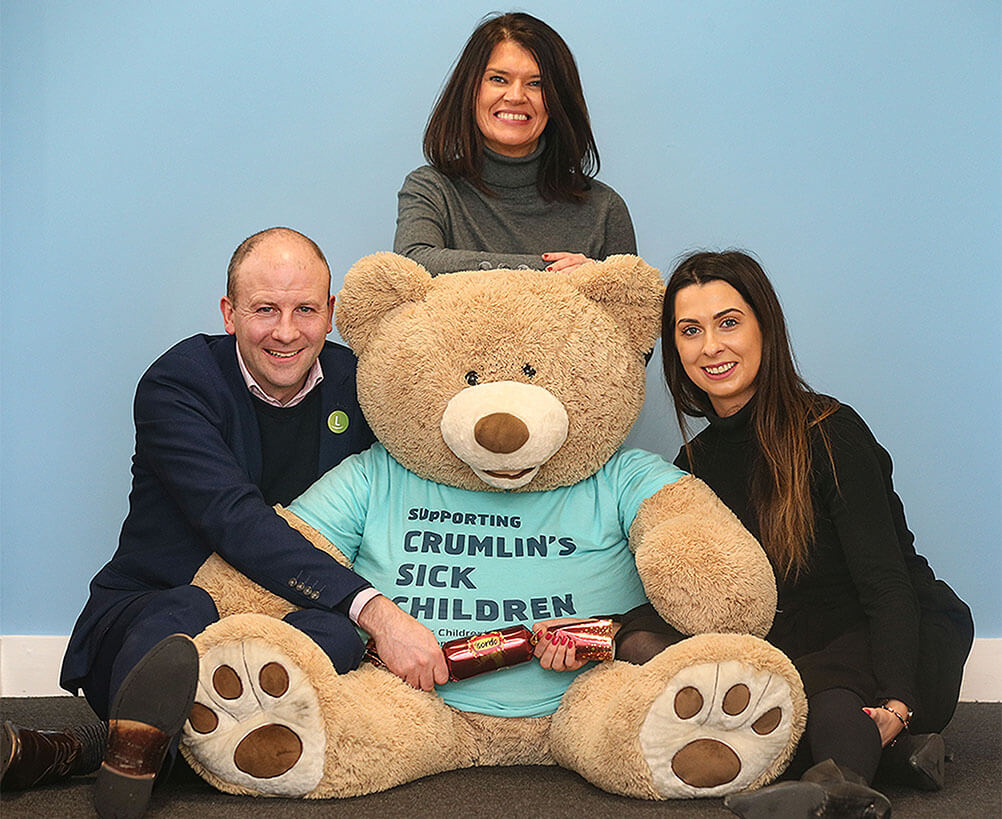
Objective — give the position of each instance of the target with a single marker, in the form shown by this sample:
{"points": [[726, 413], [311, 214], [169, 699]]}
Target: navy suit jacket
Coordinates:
{"points": [[195, 476]]}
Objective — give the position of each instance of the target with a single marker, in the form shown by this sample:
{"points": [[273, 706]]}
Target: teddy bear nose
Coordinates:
{"points": [[501, 432]]}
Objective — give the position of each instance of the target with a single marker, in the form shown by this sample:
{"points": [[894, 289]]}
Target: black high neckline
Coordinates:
{"points": [[736, 427]]}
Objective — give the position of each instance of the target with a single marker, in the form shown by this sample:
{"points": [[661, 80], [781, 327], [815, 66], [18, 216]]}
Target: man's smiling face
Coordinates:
{"points": [[280, 312]]}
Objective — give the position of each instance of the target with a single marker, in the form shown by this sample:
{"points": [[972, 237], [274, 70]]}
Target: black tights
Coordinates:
{"points": [[839, 729], [638, 647]]}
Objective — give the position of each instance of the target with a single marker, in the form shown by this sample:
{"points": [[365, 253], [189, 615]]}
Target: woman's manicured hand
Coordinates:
{"points": [[555, 651], [563, 261], [887, 723]]}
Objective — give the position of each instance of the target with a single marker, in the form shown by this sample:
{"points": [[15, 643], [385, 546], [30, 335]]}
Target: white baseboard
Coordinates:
{"points": [[983, 672], [29, 667]]}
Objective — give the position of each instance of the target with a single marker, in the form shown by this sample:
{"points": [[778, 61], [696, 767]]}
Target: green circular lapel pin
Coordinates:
{"points": [[337, 421]]}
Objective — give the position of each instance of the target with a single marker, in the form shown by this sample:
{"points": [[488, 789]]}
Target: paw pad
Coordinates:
{"points": [[274, 679], [256, 720], [715, 728], [227, 683], [688, 703], [268, 751], [704, 763], [736, 699]]}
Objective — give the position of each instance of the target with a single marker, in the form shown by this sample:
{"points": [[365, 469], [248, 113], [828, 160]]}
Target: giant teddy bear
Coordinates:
{"points": [[498, 494]]}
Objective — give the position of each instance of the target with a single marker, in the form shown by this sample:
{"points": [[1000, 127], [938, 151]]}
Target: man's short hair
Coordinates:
{"points": [[245, 248]]}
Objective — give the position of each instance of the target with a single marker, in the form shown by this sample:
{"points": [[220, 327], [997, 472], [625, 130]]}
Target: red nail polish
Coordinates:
{"points": [[549, 636]]}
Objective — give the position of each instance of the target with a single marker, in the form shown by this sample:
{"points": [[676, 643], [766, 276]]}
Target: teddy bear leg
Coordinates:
{"points": [[714, 714], [273, 717]]}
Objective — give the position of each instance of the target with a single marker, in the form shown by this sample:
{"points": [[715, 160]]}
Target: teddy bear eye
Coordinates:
{"points": [[528, 369], [472, 378]]}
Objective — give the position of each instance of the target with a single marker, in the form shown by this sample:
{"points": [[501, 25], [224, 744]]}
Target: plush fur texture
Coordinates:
{"points": [[597, 730], [233, 593], [417, 338], [297, 728], [712, 576]]}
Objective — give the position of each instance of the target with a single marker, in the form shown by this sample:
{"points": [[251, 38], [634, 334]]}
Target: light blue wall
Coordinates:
{"points": [[854, 146]]}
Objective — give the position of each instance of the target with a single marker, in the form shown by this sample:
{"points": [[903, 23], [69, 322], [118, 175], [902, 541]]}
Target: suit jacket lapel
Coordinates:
{"points": [[247, 431], [333, 446]]}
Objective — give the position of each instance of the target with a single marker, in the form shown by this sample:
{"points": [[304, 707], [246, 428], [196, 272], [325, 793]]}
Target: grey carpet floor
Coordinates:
{"points": [[973, 785]]}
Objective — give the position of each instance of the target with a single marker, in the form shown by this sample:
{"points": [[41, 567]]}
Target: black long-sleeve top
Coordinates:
{"points": [[862, 570]]}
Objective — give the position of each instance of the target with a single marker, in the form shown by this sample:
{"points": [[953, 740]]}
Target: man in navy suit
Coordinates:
{"points": [[226, 426]]}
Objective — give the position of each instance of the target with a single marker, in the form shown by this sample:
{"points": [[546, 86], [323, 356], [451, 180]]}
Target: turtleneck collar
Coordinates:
{"points": [[512, 171], [736, 427]]}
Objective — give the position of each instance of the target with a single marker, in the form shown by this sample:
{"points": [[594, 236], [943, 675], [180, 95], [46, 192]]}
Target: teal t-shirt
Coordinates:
{"points": [[465, 562]]}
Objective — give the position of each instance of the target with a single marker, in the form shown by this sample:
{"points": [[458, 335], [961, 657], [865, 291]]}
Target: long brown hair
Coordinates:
{"points": [[785, 408], [453, 143]]}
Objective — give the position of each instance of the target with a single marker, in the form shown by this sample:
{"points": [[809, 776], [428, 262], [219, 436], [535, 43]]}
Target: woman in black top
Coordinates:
{"points": [[879, 642]]}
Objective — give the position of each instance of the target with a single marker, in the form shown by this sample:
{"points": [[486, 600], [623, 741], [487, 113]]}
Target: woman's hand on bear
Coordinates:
{"points": [[553, 650], [564, 261], [405, 646]]}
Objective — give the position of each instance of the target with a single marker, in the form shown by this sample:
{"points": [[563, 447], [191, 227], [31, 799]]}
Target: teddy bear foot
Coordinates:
{"points": [[256, 725], [713, 726], [711, 715]]}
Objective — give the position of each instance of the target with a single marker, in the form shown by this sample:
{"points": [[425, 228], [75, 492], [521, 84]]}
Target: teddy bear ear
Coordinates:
{"points": [[373, 287], [630, 290]]}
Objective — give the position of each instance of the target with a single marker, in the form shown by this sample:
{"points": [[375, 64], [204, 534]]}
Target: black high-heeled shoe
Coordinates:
{"points": [[825, 790], [915, 761]]}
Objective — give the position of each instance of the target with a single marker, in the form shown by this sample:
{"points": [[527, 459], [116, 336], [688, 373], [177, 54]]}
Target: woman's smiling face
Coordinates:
{"points": [[511, 113], [719, 342]]}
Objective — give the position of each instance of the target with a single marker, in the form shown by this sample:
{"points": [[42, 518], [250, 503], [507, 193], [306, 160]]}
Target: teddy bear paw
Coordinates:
{"points": [[716, 728], [256, 721]]}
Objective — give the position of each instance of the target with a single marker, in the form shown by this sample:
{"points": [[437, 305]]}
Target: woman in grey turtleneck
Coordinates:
{"points": [[511, 180]]}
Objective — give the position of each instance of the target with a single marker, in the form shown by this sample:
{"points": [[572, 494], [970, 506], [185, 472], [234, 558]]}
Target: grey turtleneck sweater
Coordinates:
{"points": [[448, 225]]}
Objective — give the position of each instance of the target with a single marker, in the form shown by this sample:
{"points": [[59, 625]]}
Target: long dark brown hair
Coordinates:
{"points": [[453, 143], [784, 411]]}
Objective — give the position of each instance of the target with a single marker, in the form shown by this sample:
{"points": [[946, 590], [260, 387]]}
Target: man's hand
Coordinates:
{"points": [[407, 648]]}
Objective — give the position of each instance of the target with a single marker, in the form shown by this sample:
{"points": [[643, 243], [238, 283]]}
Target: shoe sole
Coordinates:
{"points": [[142, 726], [804, 800], [787, 799]]}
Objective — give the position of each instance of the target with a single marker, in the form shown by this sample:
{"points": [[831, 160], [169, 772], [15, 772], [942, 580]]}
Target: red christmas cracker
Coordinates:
{"points": [[467, 657]]}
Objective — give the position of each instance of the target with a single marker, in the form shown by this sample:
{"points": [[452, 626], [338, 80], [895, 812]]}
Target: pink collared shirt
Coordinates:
{"points": [[313, 377]]}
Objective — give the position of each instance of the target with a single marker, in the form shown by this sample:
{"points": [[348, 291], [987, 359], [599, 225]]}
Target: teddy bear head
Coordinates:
{"points": [[501, 379]]}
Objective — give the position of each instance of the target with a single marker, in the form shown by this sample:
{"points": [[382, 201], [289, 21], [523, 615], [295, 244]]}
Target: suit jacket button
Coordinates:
{"points": [[315, 595]]}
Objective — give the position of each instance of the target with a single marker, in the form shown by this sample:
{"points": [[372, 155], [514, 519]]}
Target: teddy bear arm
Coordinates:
{"points": [[312, 535], [701, 569], [234, 593]]}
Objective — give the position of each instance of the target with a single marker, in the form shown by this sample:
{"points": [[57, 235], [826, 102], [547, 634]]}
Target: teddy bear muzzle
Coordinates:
{"points": [[504, 430]]}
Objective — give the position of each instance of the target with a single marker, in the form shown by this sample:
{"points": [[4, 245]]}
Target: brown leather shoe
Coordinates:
{"points": [[33, 757], [149, 710]]}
